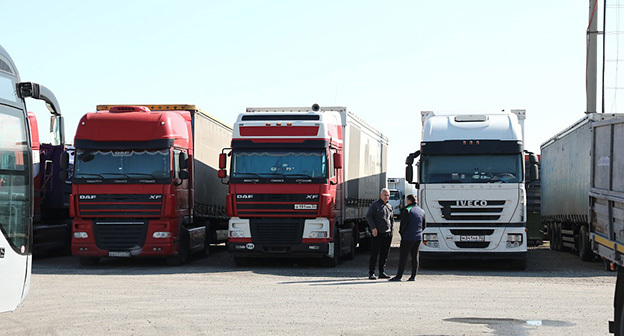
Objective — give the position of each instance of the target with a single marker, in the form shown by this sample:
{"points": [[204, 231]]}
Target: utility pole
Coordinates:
{"points": [[592, 60]]}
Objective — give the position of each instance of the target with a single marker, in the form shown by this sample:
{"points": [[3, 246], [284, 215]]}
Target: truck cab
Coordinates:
{"points": [[471, 186]]}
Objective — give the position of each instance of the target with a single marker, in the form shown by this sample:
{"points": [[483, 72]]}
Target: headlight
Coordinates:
{"points": [[162, 235], [430, 237], [81, 235], [318, 234], [237, 233], [514, 237]]}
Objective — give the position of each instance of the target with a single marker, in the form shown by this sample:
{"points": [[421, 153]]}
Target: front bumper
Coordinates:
{"points": [[307, 250], [472, 255]]}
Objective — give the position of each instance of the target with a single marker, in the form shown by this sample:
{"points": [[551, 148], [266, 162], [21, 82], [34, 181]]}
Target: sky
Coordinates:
{"points": [[384, 60]]}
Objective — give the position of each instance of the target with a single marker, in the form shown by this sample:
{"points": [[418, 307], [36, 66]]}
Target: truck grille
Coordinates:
{"points": [[120, 205], [490, 210], [255, 205], [120, 235], [277, 231]]}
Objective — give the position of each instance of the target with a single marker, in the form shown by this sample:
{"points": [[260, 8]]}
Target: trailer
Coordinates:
{"points": [[606, 202], [565, 184]]}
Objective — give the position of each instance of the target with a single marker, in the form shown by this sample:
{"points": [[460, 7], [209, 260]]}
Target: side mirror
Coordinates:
{"points": [[183, 160], [533, 158], [64, 160], [63, 175], [533, 173], [222, 173], [222, 160], [411, 157], [183, 174], [409, 174], [338, 160]]}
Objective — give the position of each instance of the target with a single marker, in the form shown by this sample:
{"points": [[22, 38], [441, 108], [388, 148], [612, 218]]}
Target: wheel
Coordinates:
{"points": [[206, 251], [557, 237], [183, 251], [585, 252], [328, 261], [551, 235], [241, 261], [351, 253], [89, 261]]}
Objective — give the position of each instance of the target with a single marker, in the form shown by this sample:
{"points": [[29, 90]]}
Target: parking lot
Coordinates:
{"points": [[557, 295]]}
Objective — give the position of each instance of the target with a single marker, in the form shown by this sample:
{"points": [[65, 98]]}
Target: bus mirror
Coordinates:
{"points": [[533, 172], [63, 175], [337, 160], [411, 157], [222, 173], [222, 160]]}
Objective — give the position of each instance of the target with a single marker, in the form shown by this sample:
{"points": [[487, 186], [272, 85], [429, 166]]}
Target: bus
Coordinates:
{"points": [[16, 181]]}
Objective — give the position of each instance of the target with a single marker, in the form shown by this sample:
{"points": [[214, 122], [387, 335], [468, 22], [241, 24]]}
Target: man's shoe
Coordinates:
{"points": [[394, 279], [372, 276], [411, 279], [383, 275]]}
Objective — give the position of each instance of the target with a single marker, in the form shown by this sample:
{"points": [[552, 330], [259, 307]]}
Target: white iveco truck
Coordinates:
{"points": [[471, 186]]}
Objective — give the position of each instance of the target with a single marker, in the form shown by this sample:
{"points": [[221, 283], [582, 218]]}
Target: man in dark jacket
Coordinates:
{"points": [[381, 221], [412, 225]]}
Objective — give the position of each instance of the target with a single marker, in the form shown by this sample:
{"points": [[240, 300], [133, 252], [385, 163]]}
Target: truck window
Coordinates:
{"points": [[123, 164], [471, 168], [279, 163]]}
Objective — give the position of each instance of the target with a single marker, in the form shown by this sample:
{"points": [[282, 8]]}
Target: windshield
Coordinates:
{"points": [[276, 164], [15, 180], [395, 195], [471, 168], [123, 166]]}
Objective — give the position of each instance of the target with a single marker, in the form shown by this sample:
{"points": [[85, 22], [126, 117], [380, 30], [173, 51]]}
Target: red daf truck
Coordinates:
{"points": [[301, 180], [145, 183]]}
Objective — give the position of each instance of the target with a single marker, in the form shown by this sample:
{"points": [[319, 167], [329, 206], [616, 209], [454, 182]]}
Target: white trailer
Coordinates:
{"points": [[399, 189], [472, 187]]}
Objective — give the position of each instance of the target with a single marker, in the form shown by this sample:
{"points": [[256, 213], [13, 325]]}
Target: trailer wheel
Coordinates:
{"points": [[585, 252], [351, 254], [550, 232], [557, 237], [89, 261]]}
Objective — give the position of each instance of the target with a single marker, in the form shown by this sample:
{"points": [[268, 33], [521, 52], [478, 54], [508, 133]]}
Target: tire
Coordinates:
{"points": [[585, 252], [557, 237], [328, 261], [551, 235], [206, 251], [89, 261], [183, 252], [351, 253]]}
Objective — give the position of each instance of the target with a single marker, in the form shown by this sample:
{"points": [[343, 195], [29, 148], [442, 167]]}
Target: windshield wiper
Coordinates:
{"points": [[141, 175], [235, 175], [298, 174], [88, 174], [274, 174], [119, 174]]}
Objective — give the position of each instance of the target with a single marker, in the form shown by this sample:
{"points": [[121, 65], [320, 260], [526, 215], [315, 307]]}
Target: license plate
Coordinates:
{"points": [[123, 254], [472, 238]]}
